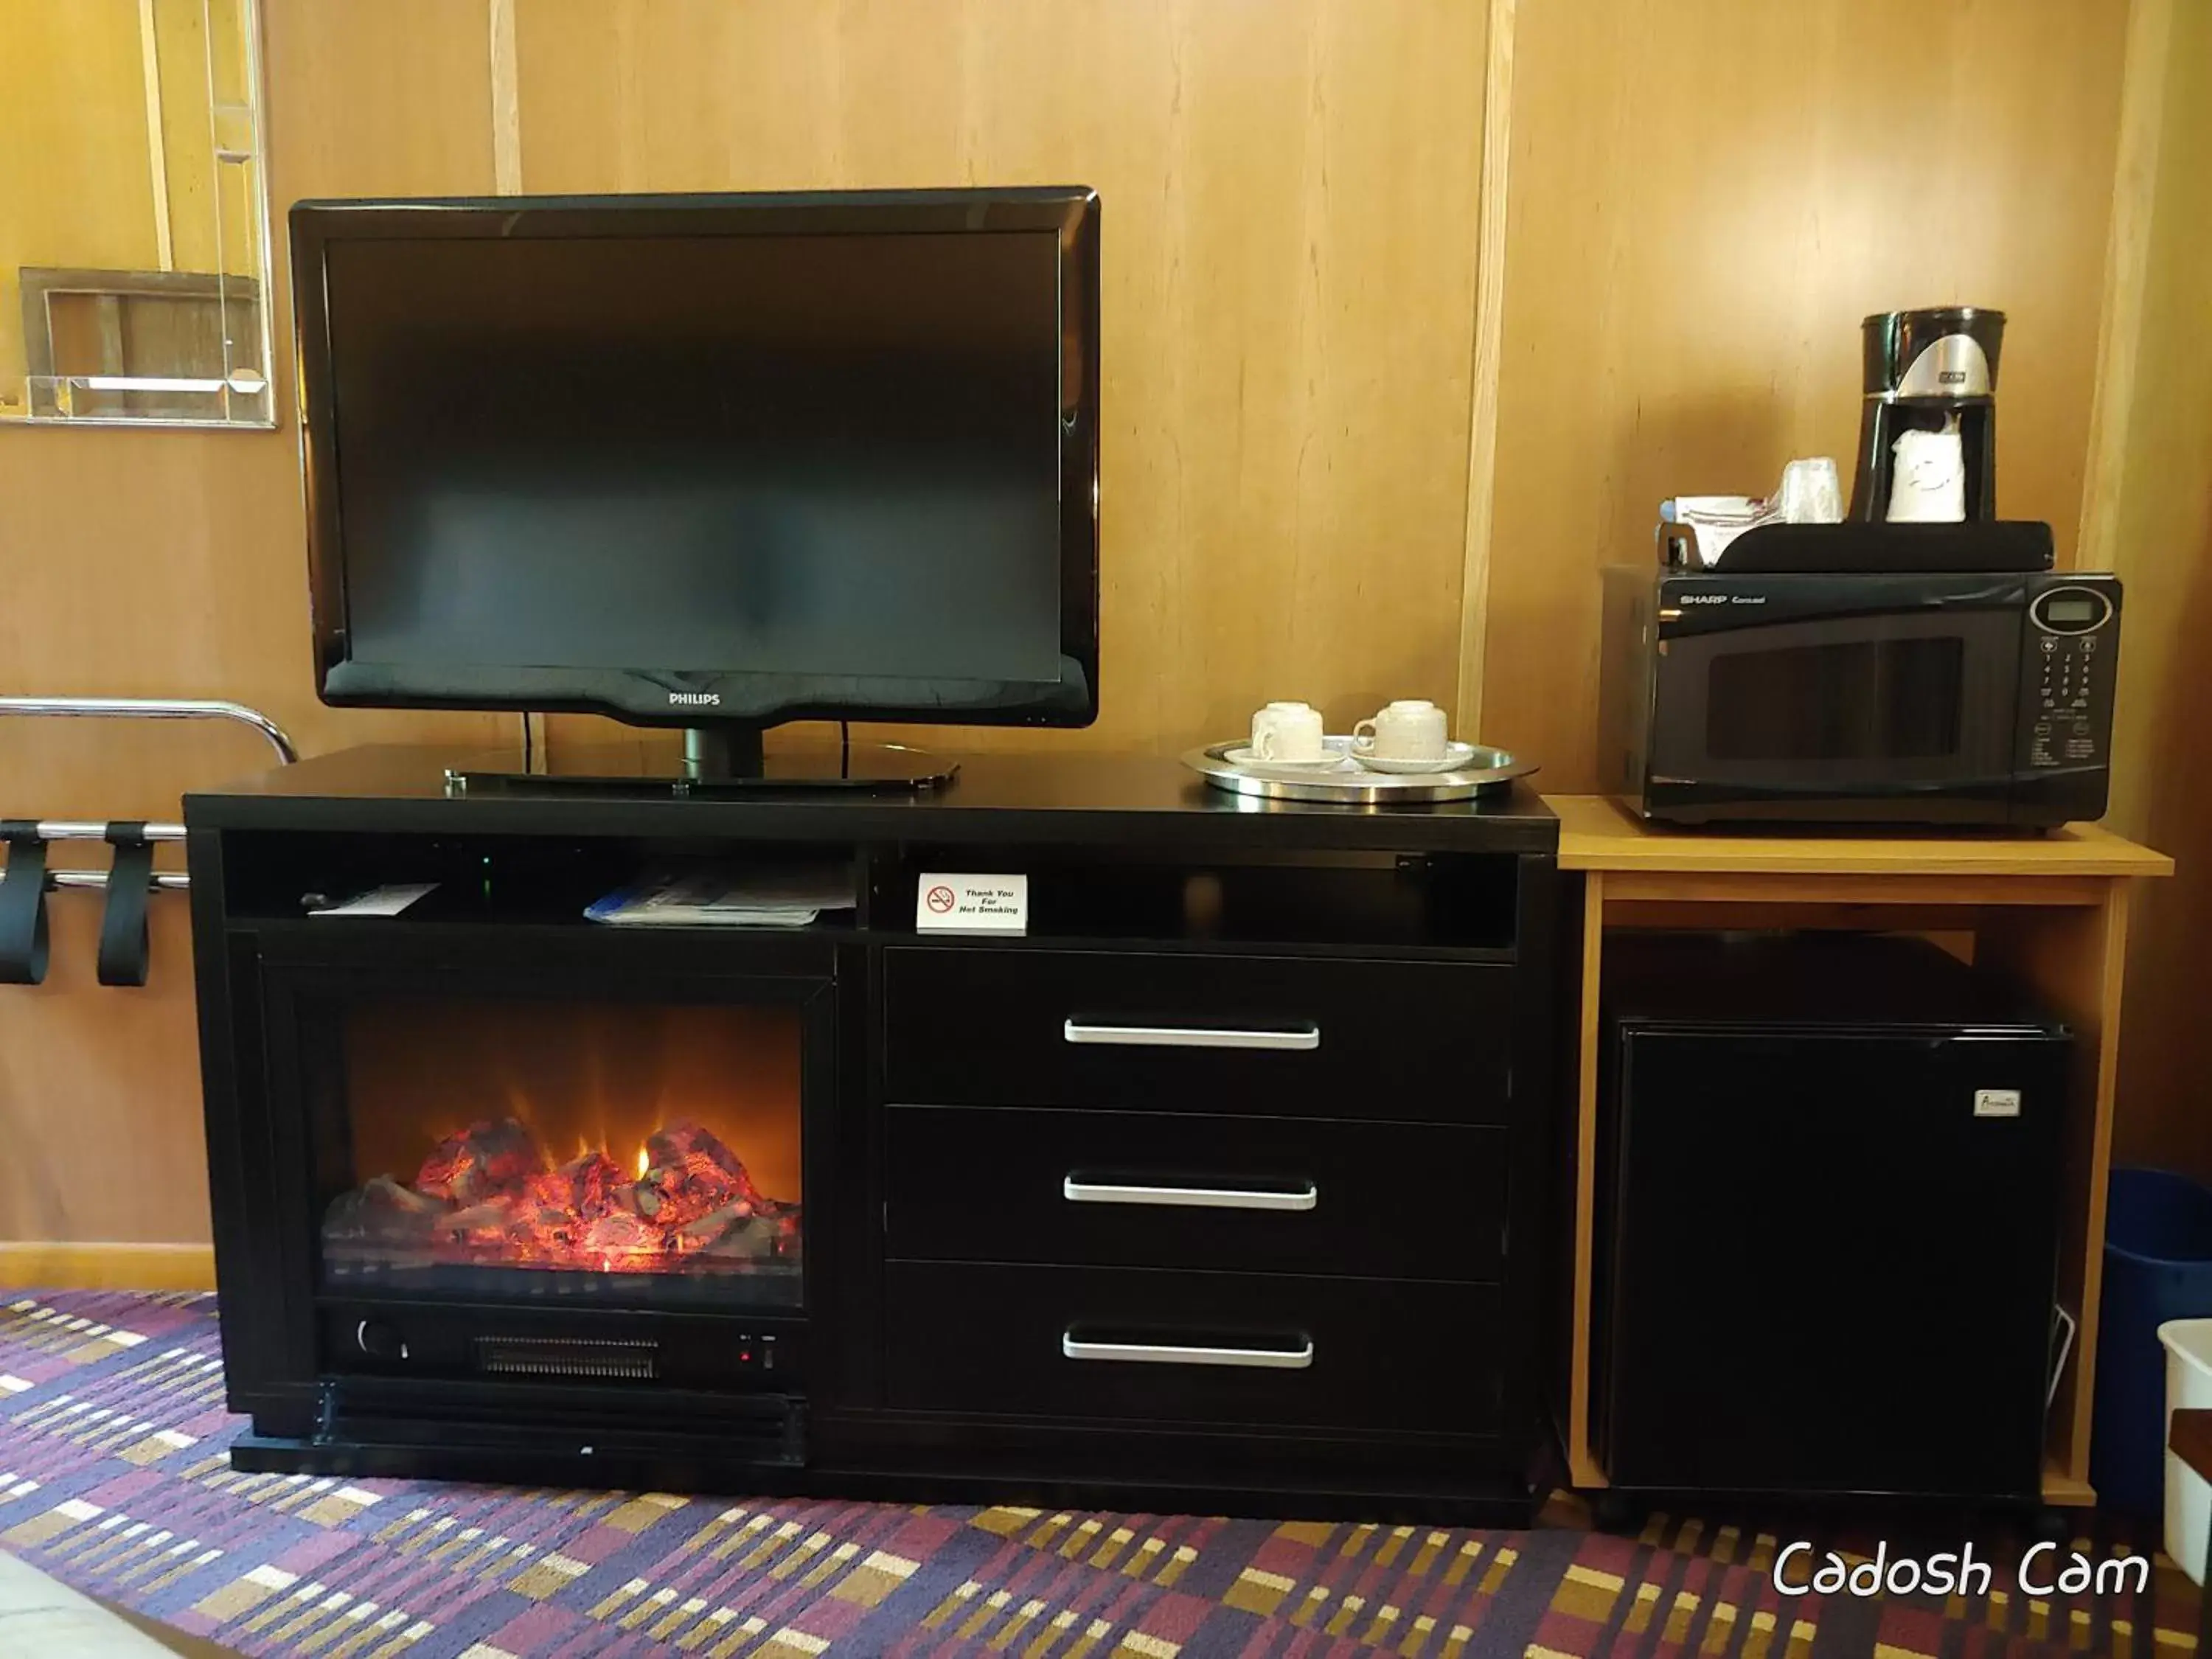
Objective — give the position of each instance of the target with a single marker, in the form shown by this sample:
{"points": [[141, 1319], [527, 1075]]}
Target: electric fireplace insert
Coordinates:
{"points": [[585, 1152], [526, 1189]]}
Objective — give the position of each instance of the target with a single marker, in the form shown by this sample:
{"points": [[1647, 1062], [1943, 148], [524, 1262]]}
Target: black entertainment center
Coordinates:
{"points": [[1227, 1183], [1034, 1127], [1222, 1180]]}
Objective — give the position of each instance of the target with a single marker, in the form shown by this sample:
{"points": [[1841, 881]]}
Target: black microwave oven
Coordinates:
{"points": [[1905, 698]]}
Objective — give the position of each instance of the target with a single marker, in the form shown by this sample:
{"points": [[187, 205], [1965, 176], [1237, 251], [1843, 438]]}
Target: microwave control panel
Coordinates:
{"points": [[2072, 652]]}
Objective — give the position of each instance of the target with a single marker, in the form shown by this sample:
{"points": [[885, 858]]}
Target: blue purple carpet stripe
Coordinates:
{"points": [[115, 1477]]}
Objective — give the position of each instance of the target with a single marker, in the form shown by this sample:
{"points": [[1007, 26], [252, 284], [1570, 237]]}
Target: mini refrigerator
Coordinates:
{"points": [[1827, 1218]]}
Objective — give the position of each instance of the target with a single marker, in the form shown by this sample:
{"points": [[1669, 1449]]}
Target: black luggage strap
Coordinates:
{"points": [[123, 941], [23, 904]]}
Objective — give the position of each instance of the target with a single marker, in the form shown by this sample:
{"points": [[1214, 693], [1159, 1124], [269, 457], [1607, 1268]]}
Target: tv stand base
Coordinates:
{"points": [[712, 763]]}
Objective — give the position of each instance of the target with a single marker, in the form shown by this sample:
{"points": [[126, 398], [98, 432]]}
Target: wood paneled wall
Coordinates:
{"points": [[2152, 516], [171, 563], [1291, 192], [1706, 197]]}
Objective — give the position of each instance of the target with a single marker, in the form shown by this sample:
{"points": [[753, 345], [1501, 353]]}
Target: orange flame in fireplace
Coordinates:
{"points": [[643, 1163]]}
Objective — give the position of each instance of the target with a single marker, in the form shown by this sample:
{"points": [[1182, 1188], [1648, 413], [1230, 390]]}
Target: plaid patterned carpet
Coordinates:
{"points": [[114, 1477]]}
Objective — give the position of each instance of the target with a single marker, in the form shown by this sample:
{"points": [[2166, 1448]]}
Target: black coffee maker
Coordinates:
{"points": [[1926, 370]]}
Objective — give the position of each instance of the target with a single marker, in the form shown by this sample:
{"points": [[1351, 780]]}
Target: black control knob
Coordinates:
{"points": [[378, 1341]]}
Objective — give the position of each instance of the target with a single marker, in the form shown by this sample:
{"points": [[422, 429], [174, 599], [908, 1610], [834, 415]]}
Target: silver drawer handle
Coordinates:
{"points": [[1194, 1198], [1154, 1353], [1299, 1037]]}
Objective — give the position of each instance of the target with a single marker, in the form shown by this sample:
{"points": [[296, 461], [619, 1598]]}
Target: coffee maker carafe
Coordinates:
{"points": [[1932, 372]]}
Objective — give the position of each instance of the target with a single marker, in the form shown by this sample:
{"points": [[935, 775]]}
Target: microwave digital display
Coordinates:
{"points": [[2070, 610]]}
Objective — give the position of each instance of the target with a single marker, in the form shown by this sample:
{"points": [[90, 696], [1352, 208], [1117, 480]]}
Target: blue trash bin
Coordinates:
{"points": [[2158, 1266]]}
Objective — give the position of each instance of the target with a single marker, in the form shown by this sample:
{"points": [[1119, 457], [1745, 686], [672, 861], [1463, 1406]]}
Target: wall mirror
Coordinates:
{"points": [[134, 220]]}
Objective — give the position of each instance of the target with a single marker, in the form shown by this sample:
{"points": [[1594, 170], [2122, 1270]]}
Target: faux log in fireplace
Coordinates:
{"points": [[1226, 1186], [490, 1198], [490, 1141]]}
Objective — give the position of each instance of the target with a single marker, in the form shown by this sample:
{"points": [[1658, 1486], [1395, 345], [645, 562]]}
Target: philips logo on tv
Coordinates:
{"points": [[696, 699]]}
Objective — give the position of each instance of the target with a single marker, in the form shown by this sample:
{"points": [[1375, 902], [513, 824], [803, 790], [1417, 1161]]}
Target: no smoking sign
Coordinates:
{"points": [[971, 904]]}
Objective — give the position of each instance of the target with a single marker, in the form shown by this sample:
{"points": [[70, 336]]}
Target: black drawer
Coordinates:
{"points": [[1184, 1189], [1132, 1343], [1281, 1036]]}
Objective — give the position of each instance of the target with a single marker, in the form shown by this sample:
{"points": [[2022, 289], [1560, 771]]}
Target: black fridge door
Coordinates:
{"points": [[1829, 1258]]}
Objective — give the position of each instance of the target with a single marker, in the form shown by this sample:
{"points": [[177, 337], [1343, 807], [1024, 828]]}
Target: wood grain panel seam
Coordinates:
{"points": [[506, 102], [506, 181], [2127, 276], [157, 148], [1488, 342]]}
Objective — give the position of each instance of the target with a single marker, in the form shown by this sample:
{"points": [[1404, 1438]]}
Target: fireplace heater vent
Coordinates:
{"points": [[560, 1355]]}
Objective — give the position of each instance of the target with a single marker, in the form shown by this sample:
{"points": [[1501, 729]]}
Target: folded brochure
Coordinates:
{"points": [[780, 895]]}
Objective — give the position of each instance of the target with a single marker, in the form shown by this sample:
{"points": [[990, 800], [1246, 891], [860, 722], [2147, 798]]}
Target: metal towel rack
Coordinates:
{"points": [[123, 931], [157, 708], [142, 709]]}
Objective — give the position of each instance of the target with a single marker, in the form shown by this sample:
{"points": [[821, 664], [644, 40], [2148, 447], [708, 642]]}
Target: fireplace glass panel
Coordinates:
{"points": [[641, 1153]]}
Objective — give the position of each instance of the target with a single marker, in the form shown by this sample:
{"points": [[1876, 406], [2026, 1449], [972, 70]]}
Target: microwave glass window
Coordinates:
{"points": [[2070, 610], [1867, 701]]}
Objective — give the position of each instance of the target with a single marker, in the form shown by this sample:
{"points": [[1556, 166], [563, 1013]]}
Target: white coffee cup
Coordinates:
{"points": [[1929, 483], [1410, 729], [1287, 732]]}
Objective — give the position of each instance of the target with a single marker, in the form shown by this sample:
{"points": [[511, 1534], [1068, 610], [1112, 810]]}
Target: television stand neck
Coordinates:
{"points": [[719, 753], [714, 760]]}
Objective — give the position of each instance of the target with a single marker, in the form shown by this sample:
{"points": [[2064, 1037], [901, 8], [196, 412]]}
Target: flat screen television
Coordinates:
{"points": [[698, 459]]}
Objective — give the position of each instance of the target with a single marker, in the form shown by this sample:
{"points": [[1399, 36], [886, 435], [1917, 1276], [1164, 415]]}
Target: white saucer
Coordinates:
{"points": [[1456, 755], [1244, 760]]}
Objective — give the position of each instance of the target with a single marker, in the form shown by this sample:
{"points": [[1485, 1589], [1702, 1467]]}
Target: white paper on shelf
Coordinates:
{"points": [[379, 901]]}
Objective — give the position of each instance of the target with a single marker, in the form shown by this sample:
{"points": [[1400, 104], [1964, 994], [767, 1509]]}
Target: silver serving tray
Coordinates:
{"points": [[1491, 772]]}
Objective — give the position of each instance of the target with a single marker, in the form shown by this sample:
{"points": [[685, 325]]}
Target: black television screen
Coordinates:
{"points": [[682, 459]]}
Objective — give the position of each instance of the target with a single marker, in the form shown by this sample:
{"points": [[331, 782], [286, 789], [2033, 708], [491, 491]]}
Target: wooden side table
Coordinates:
{"points": [[2051, 910]]}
